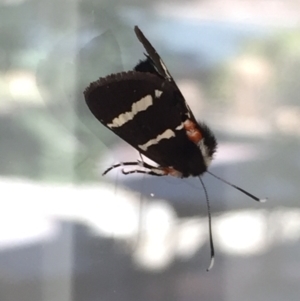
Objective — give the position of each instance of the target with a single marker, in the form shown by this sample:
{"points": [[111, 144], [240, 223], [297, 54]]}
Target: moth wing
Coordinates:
{"points": [[145, 111], [155, 65]]}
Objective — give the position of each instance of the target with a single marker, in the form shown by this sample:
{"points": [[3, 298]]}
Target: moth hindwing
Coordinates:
{"points": [[146, 109]]}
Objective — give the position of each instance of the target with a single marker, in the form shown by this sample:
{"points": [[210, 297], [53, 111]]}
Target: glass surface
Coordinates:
{"points": [[67, 233]]}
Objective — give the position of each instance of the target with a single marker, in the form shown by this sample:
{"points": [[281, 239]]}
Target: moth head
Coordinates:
{"points": [[208, 143], [202, 136]]}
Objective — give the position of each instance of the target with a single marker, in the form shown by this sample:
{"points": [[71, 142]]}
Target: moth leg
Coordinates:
{"points": [[152, 170], [138, 163], [148, 172], [118, 165], [155, 171]]}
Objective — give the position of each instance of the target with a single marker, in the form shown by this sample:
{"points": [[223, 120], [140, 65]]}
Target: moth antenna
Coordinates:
{"points": [[240, 189], [211, 243]]}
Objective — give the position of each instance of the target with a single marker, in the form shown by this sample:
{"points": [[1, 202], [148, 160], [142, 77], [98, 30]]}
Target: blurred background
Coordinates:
{"points": [[67, 233]]}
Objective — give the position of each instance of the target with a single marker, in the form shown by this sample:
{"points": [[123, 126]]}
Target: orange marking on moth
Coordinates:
{"points": [[192, 132], [171, 172]]}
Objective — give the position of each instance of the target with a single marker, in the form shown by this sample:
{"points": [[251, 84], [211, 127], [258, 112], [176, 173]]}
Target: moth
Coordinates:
{"points": [[145, 108]]}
